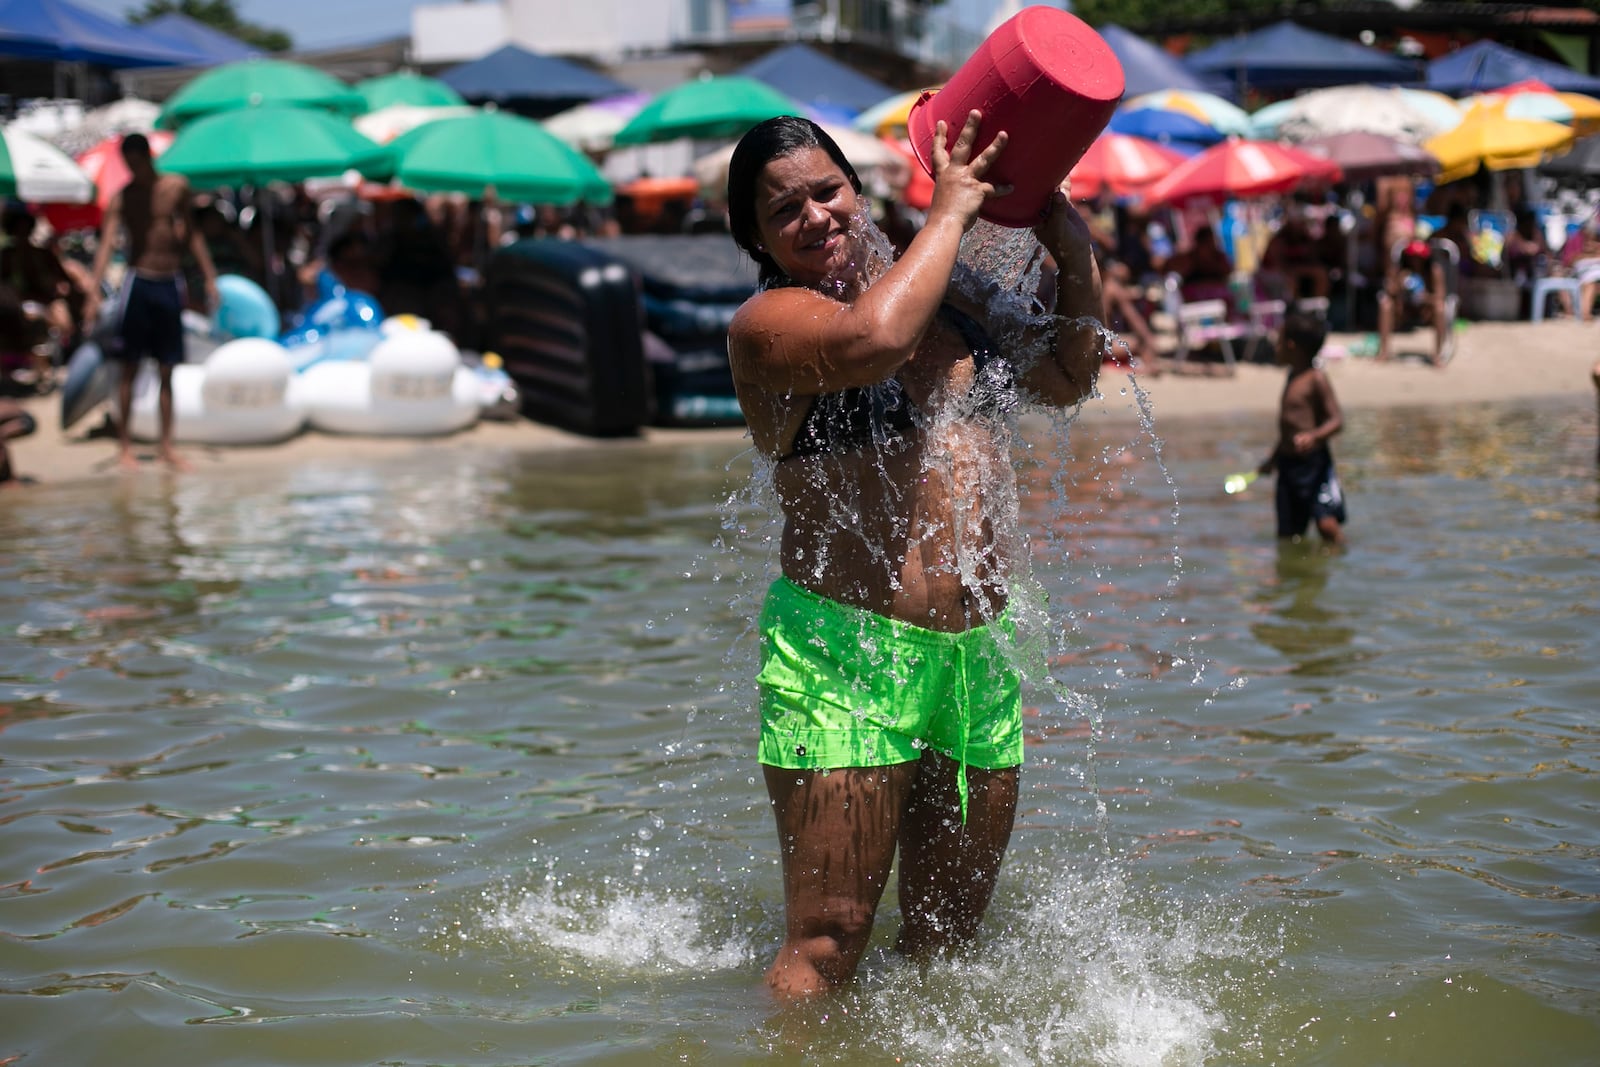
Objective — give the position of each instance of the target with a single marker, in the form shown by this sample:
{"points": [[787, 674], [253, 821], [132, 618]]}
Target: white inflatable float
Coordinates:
{"points": [[412, 383], [238, 396]]}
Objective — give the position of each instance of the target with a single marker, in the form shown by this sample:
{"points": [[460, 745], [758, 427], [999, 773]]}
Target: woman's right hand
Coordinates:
{"points": [[958, 175]]}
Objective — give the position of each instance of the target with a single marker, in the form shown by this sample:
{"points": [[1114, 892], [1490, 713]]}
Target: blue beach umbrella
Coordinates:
{"points": [[1165, 127], [1221, 115]]}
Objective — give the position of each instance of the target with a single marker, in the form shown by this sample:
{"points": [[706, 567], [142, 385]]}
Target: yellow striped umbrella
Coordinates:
{"points": [[1533, 99], [1585, 112], [1489, 137], [888, 117], [1580, 112]]}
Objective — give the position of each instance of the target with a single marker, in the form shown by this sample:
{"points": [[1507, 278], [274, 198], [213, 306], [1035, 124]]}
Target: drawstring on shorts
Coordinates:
{"points": [[966, 723]]}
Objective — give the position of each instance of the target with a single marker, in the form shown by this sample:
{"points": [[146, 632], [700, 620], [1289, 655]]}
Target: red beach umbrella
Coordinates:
{"points": [[1121, 163], [1239, 170], [919, 189]]}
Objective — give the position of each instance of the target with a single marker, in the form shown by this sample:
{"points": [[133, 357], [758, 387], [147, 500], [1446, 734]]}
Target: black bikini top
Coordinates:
{"points": [[882, 414]]}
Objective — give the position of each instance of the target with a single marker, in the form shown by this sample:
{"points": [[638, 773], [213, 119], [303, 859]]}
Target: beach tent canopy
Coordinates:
{"points": [[1485, 65], [55, 30], [1287, 56], [817, 81], [1147, 67], [185, 32], [513, 73]]}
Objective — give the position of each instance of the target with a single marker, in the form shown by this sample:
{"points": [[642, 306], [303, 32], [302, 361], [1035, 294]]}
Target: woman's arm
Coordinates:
{"points": [[799, 341], [1075, 340]]}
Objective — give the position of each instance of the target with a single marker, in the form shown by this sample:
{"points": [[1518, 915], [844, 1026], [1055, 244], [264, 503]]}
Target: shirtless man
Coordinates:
{"points": [[1308, 488], [155, 214]]}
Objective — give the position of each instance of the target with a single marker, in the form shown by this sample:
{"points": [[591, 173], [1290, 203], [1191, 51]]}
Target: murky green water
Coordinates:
{"points": [[452, 763]]}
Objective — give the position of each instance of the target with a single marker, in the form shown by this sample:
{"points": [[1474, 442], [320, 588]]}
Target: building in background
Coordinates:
{"points": [[654, 43]]}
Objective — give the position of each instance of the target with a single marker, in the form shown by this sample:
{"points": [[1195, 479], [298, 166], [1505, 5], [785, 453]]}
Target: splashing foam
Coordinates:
{"points": [[634, 931], [1088, 971]]}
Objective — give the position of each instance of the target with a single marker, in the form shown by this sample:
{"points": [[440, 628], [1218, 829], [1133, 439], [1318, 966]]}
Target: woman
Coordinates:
{"points": [[1585, 254], [890, 711], [1204, 262], [1525, 249]]}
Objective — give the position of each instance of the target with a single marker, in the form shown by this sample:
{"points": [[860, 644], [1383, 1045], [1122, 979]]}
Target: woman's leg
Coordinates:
{"points": [[836, 834], [1594, 376], [948, 869], [1386, 303]]}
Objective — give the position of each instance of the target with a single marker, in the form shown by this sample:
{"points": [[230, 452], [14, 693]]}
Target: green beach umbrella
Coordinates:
{"points": [[252, 82], [407, 87], [516, 157], [257, 145], [707, 108]]}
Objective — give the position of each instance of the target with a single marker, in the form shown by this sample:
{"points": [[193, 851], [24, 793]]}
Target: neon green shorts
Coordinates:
{"points": [[844, 687]]}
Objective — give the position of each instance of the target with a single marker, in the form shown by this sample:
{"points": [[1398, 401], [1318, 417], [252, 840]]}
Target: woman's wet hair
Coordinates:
{"points": [[766, 141]]}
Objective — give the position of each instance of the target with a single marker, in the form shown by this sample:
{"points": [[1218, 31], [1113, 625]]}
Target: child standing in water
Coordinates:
{"points": [[1308, 415]]}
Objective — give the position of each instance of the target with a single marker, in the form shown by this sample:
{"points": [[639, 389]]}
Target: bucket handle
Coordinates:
{"points": [[916, 149]]}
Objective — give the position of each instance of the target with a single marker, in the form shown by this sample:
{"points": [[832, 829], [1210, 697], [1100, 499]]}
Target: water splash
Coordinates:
{"points": [[874, 255], [617, 929], [977, 446], [1092, 968]]}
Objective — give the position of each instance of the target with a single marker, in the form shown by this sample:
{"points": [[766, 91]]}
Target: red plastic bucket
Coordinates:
{"points": [[1047, 79]]}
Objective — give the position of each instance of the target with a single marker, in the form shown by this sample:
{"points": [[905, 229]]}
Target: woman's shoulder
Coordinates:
{"points": [[779, 308]]}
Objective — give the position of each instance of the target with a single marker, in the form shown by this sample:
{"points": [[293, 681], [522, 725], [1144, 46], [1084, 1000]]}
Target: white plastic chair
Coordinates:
{"points": [[1201, 322], [1547, 286]]}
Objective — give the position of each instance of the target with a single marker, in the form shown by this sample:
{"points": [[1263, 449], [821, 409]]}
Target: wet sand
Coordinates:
{"points": [[1493, 362]]}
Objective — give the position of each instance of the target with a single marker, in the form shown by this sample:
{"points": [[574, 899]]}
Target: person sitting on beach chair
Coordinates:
{"points": [[1419, 289], [38, 298]]}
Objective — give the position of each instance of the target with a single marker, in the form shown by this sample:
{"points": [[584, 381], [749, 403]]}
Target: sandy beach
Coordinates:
{"points": [[1494, 361]]}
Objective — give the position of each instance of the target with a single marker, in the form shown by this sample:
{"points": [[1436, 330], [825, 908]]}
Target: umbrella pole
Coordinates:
{"points": [[264, 217], [1242, 80], [1352, 260]]}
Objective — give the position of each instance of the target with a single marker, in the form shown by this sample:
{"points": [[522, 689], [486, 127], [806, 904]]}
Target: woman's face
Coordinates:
{"points": [[804, 210]]}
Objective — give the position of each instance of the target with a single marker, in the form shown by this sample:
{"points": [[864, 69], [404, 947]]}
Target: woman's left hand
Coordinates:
{"points": [[1062, 232]]}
